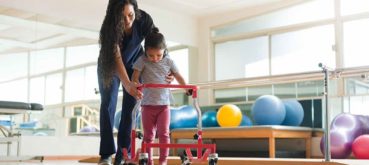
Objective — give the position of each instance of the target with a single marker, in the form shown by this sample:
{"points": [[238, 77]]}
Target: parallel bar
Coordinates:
{"points": [[327, 149]]}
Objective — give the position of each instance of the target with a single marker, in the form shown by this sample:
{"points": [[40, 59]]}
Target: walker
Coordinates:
{"points": [[141, 156]]}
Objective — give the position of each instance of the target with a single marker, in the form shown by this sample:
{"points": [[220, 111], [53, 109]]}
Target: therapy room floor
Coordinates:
{"points": [[222, 161]]}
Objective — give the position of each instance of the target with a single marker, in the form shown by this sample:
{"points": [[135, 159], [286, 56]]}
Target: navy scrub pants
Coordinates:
{"points": [[109, 97]]}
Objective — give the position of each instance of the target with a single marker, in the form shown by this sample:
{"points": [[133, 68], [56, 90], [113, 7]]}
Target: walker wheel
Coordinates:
{"points": [[143, 161], [213, 161], [139, 135]]}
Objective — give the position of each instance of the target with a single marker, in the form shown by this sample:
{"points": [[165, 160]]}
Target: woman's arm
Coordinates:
{"points": [[121, 69], [129, 86]]}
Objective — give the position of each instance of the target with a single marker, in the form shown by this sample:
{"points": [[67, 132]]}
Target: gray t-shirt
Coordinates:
{"points": [[155, 73]]}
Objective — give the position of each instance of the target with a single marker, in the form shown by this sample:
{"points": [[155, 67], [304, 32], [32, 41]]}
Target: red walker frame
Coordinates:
{"points": [[141, 155]]}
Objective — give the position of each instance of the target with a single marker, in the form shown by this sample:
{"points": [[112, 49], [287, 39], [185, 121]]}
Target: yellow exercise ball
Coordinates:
{"points": [[229, 115]]}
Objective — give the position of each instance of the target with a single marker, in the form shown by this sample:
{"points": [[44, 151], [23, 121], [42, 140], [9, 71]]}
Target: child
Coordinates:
{"points": [[153, 67]]}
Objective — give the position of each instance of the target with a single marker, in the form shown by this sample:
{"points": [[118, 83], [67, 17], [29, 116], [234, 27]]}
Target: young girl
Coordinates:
{"points": [[153, 67]]}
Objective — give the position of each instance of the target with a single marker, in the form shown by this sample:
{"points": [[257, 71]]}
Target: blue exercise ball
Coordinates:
{"points": [[118, 116], [40, 134], [246, 121], [183, 117], [117, 119], [209, 119], [268, 110], [294, 113], [88, 129]]}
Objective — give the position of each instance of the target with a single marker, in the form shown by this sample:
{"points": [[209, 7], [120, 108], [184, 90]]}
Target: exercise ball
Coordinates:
{"points": [[117, 117], [40, 134], [246, 121], [348, 123], [88, 129], [31, 124], [340, 144], [294, 113], [229, 116], [209, 119], [183, 117], [360, 147], [268, 110], [364, 120]]}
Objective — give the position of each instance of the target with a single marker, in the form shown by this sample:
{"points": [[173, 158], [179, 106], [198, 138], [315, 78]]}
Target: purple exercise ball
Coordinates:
{"points": [[340, 144], [344, 129], [349, 123]]}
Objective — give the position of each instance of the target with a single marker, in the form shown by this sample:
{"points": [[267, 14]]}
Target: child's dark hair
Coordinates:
{"points": [[155, 40]]}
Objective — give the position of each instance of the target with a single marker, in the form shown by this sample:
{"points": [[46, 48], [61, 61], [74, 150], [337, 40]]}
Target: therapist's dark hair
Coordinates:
{"points": [[111, 35], [135, 7]]}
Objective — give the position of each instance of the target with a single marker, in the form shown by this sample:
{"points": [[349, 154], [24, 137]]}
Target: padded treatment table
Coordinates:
{"points": [[270, 132], [11, 108]]}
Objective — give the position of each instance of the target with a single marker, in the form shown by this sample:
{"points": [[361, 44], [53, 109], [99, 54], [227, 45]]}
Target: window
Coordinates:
{"points": [[230, 95], [47, 60], [82, 54], [285, 90], [358, 105], [257, 91], [356, 38], [305, 12], [74, 85], [91, 83], [302, 51], [13, 66], [14, 91], [354, 6], [53, 94], [310, 88], [180, 57], [356, 86], [240, 59], [37, 90], [80, 84]]}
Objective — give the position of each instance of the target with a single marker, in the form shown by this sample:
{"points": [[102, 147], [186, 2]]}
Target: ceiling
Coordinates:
{"points": [[200, 8], [39, 24]]}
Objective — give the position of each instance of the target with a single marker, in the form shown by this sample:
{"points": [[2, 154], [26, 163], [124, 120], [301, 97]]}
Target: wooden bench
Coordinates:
{"points": [[256, 132]]}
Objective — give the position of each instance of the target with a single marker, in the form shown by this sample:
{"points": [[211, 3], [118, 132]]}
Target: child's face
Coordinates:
{"points": [[154, 54]]}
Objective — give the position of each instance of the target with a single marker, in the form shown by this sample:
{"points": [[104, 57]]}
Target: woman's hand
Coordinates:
{"points": [[169, 78], [131, 88]]}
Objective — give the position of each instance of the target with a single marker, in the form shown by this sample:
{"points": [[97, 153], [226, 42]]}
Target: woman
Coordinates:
{"points": [[123, 29]]}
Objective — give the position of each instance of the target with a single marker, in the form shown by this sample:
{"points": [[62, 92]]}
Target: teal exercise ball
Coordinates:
{"points": [[209, 119]]}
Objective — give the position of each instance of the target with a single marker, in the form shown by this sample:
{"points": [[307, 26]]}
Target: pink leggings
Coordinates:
{"points": [[156, 118]]}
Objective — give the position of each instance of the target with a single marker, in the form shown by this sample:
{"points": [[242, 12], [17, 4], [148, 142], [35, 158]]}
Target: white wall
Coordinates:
{"points": [[176, 27]]}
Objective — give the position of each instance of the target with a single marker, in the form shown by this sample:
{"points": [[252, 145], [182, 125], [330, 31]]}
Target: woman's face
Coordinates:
{"points": [[154, 54], [128, 16]]}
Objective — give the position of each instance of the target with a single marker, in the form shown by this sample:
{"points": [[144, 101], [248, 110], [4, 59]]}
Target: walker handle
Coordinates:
{"points": [[194, 88]]}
